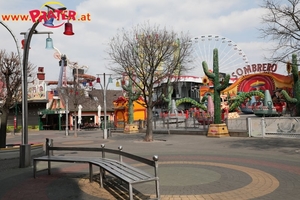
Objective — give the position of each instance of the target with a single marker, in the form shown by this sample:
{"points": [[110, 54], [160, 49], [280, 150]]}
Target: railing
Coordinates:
{"points": [[288, 127], [275, 127]]}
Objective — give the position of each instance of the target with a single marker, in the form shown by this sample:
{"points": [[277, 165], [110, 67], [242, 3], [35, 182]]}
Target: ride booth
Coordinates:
{"points": [[121, 112]]}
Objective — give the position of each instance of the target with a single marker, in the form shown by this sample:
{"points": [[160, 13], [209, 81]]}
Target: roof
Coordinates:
{"points": [[91, 100]]}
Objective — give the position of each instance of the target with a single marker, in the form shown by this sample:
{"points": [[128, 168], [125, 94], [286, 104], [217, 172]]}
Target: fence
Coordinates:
{"points": [[192, 123], [274, 127], [254, 126]]}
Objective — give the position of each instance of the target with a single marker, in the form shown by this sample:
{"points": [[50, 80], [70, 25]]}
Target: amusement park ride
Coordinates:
{"points": [[253, 89], [78, 71]]}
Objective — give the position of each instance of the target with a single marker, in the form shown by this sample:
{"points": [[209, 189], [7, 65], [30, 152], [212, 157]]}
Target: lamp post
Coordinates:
{"points": [[25, 147], [104, 89]]}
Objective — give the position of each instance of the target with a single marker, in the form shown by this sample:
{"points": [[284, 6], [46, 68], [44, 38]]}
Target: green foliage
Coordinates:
{"points": [[296, 87], [192, 101], [168, 100], [11, 129], [288, 98], [132, 96], [33, 126], [241, 97]]}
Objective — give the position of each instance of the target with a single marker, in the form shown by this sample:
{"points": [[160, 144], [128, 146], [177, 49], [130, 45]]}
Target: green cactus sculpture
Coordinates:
{"points": [[296, 89], [214, 76], [132, 96], [241, 97], [169, 99], [191, 101]]}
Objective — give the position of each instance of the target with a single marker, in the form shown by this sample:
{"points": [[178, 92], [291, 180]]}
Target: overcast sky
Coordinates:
{"points": [[235, 20]]}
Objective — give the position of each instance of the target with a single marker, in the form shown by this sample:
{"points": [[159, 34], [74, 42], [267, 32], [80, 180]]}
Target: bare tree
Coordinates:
{"points": [[281, 25], [10, 87], [74, 94], [149, 55]]}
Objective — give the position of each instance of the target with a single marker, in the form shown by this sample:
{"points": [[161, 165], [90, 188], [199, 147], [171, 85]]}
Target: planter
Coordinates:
{"points": [[131, 128], [218, 130]]}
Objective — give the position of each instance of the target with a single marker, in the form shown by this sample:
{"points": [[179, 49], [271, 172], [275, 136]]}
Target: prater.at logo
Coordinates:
{"points": [[52, 18]]}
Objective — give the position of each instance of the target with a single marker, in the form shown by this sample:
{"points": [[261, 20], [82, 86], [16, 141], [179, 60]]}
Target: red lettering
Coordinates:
{"points": [[15, 17], [43, 16], [259, 68], [5, 17], [247, 69], [51, 15], [64, 15], [274, 67], [239, 72], [234, 75], [254, 68], [264, 67], [24, 17], [34, 14], [59, 13], [72, 15]]}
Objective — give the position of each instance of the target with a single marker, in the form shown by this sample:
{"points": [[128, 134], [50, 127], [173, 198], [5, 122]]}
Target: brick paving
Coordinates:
{"points": [[190, 167]]}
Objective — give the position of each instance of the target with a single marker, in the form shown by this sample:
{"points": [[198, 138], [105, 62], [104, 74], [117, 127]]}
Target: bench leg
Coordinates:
{"points": [[130, 191], [157, 189], [91, 172], [49, 167], [100, 177]]}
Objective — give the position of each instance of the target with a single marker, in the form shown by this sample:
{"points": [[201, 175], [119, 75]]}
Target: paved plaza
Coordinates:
{"points": [[190, 167]]}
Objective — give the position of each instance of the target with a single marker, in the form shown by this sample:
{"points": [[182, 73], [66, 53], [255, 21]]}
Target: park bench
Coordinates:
{"points": [[116, 167]]}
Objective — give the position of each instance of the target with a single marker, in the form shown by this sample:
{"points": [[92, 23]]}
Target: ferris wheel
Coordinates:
{"points": [[231, 56]]}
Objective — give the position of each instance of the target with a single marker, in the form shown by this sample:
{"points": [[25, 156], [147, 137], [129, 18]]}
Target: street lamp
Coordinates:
{"points": [[104, 89], [25, 147]]}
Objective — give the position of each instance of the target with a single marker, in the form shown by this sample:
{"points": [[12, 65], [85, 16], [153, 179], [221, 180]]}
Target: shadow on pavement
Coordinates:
{"points": [[287, 145]]}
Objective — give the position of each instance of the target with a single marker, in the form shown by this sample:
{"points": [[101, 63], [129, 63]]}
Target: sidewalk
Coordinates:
{"points": [[190, 167]]}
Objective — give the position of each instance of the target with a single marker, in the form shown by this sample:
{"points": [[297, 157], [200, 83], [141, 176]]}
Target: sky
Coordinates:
{"points": [[237, 21]]}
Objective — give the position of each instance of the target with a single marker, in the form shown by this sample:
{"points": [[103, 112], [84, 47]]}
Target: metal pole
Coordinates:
{"points": [[75, 121], [25, 148], [67, 116], [263, 128], [104, 102], [63, 60]]}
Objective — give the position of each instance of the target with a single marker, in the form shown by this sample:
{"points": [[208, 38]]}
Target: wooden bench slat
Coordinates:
{"points": [[64, 159], [128, 173]]}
